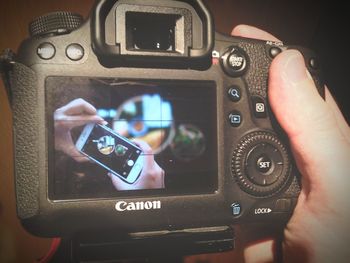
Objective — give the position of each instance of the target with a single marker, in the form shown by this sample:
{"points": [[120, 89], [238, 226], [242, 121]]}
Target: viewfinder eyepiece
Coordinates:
{"points": [[151, 32]]}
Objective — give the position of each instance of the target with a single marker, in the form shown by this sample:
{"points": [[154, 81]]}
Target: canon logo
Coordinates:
{"points": [[133, 206]]}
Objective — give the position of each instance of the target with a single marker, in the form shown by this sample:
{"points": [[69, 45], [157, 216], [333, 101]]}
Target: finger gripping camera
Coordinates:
{"points": [[142, 118]]}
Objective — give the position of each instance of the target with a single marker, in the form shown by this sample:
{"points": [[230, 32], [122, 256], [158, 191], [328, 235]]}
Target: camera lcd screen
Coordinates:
{"points": [[111, 137]]}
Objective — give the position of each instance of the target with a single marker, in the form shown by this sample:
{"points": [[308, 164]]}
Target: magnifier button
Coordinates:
{"points": [[234, 93]]}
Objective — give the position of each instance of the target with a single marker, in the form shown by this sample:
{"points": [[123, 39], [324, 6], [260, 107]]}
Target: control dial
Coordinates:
{"points": [[55, 23], [261, 164]]}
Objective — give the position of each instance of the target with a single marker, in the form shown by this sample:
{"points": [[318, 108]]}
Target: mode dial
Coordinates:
{"points": [[261, 164], [55, 23]]}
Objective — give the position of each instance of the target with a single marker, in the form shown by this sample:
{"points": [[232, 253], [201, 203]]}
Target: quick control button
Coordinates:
{"points": [[236, 209], [259, 107], [234, 93], [46, 51], [274, 51], [235, 118], [75, 52], [234, 61], [283, 205]]}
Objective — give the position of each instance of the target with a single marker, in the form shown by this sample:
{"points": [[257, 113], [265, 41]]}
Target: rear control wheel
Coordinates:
{"points": [[261, 164]]}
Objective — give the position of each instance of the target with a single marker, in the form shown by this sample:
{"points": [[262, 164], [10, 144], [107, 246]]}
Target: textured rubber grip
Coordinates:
{"points": [[55, 23]]}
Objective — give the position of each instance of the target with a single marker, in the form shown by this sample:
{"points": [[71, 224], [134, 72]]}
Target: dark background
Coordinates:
{"points": [[322, 26]]}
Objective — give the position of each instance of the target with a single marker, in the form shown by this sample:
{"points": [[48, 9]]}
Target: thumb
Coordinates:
{"points": [[307, 119], [118, 183]]}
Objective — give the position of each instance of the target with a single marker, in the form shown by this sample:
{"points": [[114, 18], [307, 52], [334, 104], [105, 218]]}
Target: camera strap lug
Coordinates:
{"points": [[6, 63]]}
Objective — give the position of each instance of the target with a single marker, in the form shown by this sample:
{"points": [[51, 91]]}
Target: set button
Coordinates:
{"points": [[264, 164]]}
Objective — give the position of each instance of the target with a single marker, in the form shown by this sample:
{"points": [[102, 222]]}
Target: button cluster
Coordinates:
{"points": [[47, 51], [235, 63]]}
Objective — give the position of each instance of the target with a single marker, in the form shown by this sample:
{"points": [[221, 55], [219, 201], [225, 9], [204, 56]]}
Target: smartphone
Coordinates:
{"points": [[112, 151]]}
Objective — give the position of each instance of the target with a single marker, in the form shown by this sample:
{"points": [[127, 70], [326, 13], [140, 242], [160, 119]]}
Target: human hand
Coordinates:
{"points": [[152, 176], [319, 229], [76, 113]]}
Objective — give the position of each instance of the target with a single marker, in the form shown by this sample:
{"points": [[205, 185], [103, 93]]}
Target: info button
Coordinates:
{"points": [[75, 52]]}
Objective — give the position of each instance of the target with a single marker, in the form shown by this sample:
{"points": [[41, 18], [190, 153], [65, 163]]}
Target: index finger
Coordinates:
{"points": [[146, 152], [253, 32], [78, 106]]}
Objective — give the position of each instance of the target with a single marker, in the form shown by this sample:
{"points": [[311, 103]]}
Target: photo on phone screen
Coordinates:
{"points": [[113, 152]]}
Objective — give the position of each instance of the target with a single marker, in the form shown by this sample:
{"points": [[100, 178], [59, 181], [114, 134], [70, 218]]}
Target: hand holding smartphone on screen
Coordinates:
{"points": [[77, 112], [115, 153]]}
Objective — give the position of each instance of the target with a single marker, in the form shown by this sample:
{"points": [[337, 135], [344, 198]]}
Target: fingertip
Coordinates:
{"points": [[289, 63], [300, 110], [99, 120], [292, 93], [146, 149], [252, 32], [238, 30]]}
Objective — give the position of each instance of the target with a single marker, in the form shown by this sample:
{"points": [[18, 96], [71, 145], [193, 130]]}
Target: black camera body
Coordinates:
{"points": [[225, 159]]}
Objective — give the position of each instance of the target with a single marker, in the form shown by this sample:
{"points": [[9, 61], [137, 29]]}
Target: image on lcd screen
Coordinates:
{"points": [[111, 138]]}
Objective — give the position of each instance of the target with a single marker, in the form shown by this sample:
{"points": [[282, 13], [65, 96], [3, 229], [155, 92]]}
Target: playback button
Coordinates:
{"points": [[235, 118]]}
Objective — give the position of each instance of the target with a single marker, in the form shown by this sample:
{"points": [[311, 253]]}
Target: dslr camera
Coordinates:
{"points": [[143, 119]]}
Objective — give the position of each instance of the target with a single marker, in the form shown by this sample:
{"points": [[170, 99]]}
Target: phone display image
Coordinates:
{"points": [[112, 138], [108, 149]]}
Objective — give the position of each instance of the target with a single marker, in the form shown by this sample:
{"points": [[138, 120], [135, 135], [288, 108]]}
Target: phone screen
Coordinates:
{"points": [[173, 125], [111, 150]]}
